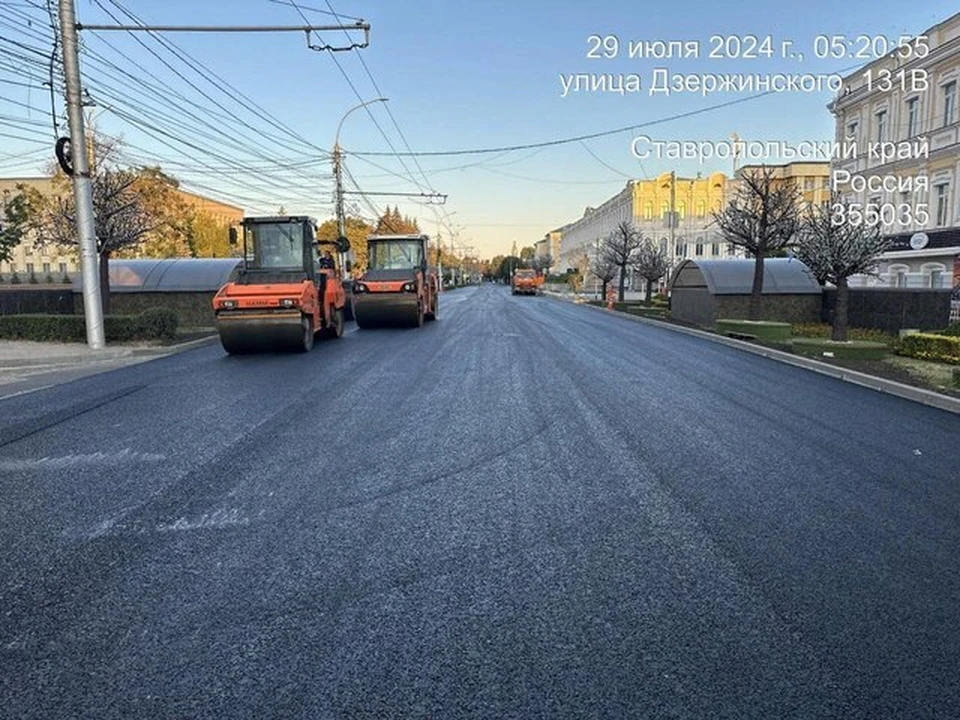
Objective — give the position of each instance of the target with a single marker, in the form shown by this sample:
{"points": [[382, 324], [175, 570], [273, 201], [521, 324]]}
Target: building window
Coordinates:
{"points": [[29, 268], [881, 125], [852, 130], [949, 102], [716, 249], [936, 278], [731, 249], [681, 249], [905, 209], [664, 210], [913, 117], [63, 268], [663, 246], [648, 211], [699, 249], [898, 276], [682, 210], [701, 208], [46, 268], [942, 203], [809, 184]]}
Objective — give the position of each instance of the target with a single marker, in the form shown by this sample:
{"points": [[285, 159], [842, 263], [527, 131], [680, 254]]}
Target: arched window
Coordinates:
{"points": [[699, 247], [664, 209], [663, 246], [934, 275], [898, 275]]}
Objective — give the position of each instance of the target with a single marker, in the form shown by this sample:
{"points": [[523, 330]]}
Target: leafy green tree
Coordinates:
{"points": [[357, 233], [527, 254], [13, 224]]}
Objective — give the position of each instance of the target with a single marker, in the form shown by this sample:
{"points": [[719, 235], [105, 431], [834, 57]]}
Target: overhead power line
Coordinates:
{"points": [[567, 140]]}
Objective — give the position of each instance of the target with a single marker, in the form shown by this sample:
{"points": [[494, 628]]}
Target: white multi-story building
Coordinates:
{"points": [[909, 99]]}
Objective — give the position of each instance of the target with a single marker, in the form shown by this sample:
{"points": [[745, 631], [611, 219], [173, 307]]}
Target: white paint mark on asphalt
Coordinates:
{"points": [[25, 392], [216, 519], [72, 461]]}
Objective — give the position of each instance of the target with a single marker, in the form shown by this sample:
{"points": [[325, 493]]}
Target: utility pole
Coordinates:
{"points": [[82, 184], [341, 219], [673, 211]]}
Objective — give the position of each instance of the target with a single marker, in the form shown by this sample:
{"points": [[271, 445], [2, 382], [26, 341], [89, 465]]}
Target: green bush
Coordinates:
{"points": [[956, 377], [48, 279], [152, 324], [953, 329], [822, 330], [937, 348], [15, 279], [157, 322], [32, 279]]}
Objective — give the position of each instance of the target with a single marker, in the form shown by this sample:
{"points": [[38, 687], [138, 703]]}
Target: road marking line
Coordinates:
{"points": [[24, 392]]}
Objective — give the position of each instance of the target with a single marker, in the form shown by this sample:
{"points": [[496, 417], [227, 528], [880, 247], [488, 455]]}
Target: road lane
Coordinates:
{"points": [[526, 508]]}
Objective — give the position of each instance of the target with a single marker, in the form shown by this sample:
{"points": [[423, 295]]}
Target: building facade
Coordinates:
{"points": [[50, 262], [917, 108]]}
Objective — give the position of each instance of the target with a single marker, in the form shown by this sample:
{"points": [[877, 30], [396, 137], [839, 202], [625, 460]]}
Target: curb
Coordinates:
{"points": [[891, 387], [165, 350], [110, 355]]}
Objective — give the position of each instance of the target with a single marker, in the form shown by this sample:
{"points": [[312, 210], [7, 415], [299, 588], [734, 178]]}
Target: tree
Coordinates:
{"points": [[13, 224], [125, 213], [171, 235], [208, 237], [542, 263], [392, 223], [619, 247], [357, 231], [651, 264], [605, 269], [763, 218], [493, 267], [836, 250], [527, 254], [507, 266]]}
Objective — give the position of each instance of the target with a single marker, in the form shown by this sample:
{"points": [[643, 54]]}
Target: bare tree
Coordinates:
{"points": [[127, 208], [542, 263], [763, 217], [651, 264], [834, 250], [604, 269], [620, 247]]}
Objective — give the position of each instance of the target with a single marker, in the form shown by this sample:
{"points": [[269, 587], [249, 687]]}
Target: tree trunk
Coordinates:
{"points": [[840, 312], [649, 292], [623, 280], [603, 292], [755, 311], [105, 281]]}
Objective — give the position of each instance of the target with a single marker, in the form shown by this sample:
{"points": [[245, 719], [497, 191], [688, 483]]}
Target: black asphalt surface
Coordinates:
{"points": [[526, 509]]}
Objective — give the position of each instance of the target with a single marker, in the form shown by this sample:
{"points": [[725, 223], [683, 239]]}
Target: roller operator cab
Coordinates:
{"points": [[283, 295], [399, 287]]}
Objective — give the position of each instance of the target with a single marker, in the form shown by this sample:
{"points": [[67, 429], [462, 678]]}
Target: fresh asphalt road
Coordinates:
{"points": [[525, 509]]}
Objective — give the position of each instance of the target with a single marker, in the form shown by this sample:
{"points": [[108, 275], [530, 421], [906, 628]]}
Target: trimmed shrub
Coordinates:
{"points": [[157, 322], [754, 329], [937, 348], [33, 279], [953, 329], [48, 279], [153, 324], [65, 280], [15, 279]]}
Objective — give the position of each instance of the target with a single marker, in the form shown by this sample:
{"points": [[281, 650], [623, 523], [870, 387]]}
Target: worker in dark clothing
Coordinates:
{"points": [[326, 261]]}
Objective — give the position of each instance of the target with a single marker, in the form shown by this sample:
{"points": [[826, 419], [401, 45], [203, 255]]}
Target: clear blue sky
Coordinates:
{"points": [[458, 75]]}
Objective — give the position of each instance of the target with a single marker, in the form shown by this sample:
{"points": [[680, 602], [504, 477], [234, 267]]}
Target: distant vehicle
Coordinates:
{"points": [[399, 287], [282, 296], [525, 282]]}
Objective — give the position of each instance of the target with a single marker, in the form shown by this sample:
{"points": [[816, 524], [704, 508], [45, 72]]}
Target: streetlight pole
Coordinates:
{"points": [[82, 182], [338, 176]]}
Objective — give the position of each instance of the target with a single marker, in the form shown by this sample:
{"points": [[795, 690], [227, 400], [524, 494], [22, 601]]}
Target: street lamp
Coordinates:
{"points": [[338, 175]]}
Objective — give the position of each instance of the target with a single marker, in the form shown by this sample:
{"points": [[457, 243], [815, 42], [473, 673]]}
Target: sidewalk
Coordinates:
{"points": [[16, 354]]}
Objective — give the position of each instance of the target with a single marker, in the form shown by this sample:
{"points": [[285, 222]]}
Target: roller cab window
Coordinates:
{"points": [[395, 255], [276, 246]]}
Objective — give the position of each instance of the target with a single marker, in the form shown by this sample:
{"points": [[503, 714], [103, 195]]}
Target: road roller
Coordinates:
{"points": [[399, 287], [285, 293], [525, 282]]}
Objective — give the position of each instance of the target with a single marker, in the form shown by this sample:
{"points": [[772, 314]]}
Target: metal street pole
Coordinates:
{"points": [[82, 184], [338, 176]]}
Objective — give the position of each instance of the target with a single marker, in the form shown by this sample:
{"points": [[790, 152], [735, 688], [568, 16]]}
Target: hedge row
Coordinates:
{"points": [[938, 348], [151, 324]]}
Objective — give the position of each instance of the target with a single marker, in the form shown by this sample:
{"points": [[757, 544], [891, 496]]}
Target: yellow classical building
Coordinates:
{"points": [[43, 261]]}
